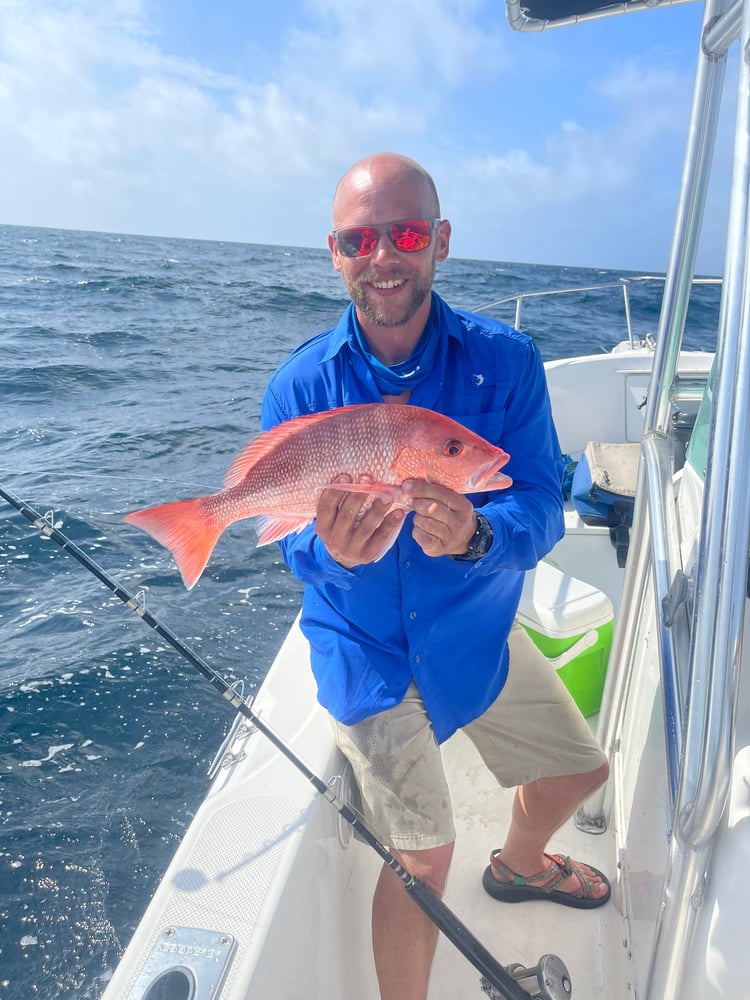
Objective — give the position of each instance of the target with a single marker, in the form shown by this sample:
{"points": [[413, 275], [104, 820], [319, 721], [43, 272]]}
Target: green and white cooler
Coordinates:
{"points": [[571, 623]]}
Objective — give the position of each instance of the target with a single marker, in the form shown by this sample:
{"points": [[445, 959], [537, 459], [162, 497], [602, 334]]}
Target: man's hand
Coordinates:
{"points": [[353, 529], [444, 521]]}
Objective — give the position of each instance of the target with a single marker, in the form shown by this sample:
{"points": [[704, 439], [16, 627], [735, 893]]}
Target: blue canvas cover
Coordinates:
{"points": [[603, 490]]}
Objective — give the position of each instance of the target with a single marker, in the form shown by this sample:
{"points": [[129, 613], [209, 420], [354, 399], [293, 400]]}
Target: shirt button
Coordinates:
{"points": [[407, 564], [417, 658], [412, 615]]}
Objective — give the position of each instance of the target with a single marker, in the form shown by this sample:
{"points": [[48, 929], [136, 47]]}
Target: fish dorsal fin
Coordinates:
{"points": [[269, 440]]}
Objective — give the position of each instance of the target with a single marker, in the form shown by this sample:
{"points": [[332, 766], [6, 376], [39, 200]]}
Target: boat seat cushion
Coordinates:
{"points": [[603, 489]]}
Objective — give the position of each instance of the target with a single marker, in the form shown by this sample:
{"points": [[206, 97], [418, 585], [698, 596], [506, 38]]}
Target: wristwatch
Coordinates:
{"points": [[480, 541]]}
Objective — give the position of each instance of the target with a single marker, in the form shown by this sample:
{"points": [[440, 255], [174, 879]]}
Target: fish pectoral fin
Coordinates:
{"points": [[271, 529], [388, 492]]}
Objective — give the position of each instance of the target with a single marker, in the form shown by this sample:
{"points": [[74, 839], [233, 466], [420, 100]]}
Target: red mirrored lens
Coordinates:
{"points": [[408, 236], [357, 241], [411, 235]]}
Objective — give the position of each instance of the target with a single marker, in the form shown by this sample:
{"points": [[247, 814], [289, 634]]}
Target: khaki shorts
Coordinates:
{"points": [[533, 730]]}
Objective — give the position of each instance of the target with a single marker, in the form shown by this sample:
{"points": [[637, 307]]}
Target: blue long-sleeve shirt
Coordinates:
{"points": [[441, 622]]}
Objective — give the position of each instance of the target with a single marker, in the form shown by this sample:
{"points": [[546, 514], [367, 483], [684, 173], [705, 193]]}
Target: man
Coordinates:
{"points": [[410, 647]]}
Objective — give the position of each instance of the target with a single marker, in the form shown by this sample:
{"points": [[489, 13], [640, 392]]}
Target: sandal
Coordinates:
{"points": [[517, 888]]}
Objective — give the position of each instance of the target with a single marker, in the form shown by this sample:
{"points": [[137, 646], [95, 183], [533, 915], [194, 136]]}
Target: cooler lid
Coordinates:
{"points": [[560, 605]]}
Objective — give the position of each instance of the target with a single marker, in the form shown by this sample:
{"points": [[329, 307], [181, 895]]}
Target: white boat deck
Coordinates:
{"points": [[588, 942]]}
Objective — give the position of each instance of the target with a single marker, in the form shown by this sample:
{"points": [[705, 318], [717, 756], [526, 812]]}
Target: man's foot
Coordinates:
{"points": [[563, 881]]}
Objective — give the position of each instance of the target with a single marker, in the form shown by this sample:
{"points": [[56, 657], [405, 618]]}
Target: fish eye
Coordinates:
{"points": [[452, 447]]}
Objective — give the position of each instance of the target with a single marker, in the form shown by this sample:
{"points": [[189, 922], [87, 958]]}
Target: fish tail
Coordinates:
{"points": [[187, 529]]}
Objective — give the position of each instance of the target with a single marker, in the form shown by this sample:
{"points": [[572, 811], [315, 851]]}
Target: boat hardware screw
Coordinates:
{"points": [[168, 932]]}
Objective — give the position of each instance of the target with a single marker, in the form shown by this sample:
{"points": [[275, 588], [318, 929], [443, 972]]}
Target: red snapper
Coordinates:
{"points": [[279, 476]]}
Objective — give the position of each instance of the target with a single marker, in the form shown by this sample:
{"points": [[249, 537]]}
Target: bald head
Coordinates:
{"points": [[384, 179], [389, 284]]}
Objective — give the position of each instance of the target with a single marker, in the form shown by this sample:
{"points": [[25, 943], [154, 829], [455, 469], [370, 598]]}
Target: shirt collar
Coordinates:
{"points": [[343, 333]]}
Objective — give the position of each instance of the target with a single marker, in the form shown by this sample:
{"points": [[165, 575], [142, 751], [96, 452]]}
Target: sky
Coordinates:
{"points": [[233, 120]]}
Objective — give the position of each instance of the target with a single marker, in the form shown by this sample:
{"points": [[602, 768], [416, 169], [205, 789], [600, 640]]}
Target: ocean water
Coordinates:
{"points": [[131, 372]]}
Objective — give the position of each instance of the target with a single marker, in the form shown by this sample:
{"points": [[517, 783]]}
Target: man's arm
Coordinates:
{"points": [[527, 518]]}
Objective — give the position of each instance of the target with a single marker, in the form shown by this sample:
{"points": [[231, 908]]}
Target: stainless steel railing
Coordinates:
{"points": [[623, 283], [699, 760]]}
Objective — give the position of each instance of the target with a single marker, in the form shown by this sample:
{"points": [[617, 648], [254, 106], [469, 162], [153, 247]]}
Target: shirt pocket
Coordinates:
{"points": [[486, 421]]}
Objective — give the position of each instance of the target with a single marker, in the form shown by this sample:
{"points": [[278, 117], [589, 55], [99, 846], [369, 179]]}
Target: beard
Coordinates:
{"points": [[394, 311]]}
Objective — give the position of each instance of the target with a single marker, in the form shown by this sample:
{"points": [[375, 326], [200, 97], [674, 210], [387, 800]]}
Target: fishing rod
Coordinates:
{"points": [[550, 977]]}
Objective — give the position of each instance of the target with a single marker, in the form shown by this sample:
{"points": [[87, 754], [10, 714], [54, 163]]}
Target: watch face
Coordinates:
{"points": [[484, 536], [480, 541]]}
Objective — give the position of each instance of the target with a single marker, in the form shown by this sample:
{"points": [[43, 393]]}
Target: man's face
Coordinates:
{"points": [[388, 286]]}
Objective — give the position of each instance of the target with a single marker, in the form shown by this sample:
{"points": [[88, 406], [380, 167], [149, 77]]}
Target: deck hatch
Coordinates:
{"points": [[185, 963]]}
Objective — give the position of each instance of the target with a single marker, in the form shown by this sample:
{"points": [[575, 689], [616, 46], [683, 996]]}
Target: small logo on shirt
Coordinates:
{"points": [[479, 379]]}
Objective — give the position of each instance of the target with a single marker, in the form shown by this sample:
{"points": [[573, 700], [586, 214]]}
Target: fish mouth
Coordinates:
{"points": [[490, 477]]}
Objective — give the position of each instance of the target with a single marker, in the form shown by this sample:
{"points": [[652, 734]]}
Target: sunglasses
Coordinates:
{"points": [[407, 235]]}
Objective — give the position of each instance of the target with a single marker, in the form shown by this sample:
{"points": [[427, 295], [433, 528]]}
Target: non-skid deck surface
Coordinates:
{"points": [[589, 942]]}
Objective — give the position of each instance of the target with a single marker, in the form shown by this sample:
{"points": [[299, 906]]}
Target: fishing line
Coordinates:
{"points": [[153, 480], [495, 976]]}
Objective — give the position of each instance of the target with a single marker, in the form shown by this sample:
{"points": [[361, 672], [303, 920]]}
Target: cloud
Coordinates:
{"points": [[600, 190], [642, 106], [393, 46], [86, 93], [107, 124]]}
